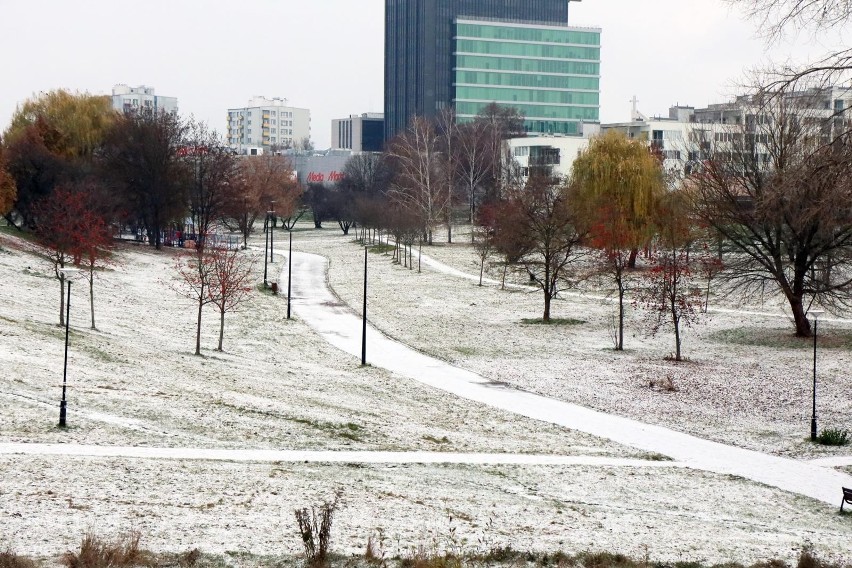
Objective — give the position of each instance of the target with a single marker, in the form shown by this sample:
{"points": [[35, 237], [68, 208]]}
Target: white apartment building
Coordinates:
{"points": [[126, 98], [689, 135], [265, 124]]}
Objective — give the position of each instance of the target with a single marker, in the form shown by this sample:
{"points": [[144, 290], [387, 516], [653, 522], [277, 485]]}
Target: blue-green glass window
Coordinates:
{"points": [[571, 127], [527, 65], [528, 50], [520, 80], [537, 111], [526, 95], [528, 34]]}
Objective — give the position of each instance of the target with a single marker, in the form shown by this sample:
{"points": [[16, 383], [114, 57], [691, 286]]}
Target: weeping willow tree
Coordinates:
{"points": [[618, 183], [78, 121]]}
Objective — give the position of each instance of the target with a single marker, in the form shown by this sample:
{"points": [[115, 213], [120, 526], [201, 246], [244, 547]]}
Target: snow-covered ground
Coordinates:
{"points": [[747, 381], [279, 386]]}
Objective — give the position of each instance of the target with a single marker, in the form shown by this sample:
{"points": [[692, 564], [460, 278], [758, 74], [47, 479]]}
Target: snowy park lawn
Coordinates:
{"points": [[277, 385], [219, 507], [747, 381]]}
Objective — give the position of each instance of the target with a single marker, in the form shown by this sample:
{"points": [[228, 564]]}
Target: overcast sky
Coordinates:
{"points": [[327, 55]]}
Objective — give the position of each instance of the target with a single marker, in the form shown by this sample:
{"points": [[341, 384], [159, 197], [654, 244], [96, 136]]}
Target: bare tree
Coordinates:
{"points": [[776, 17], [213, 168], [779, 193], [230, 284], [196, 272], [420, 182], [475, 161], [546, 230]]}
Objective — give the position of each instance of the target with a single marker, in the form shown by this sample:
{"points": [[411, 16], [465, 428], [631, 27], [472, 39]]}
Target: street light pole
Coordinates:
{"points": [[266, 252], [289, 273], [271, 234], [63, 404], [364, 322], [816, 314]]}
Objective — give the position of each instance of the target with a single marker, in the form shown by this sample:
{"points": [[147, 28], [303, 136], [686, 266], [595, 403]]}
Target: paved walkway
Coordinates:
{"points": [[340, 326]]}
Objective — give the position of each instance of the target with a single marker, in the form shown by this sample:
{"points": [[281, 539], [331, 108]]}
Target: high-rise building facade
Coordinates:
{"points": [[551, 74], [267, 124], [422, 41]]}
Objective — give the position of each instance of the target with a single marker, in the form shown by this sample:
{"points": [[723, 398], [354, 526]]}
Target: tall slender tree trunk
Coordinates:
{"points": [[62, 300], [221, 328], [481, 270], [198, 329], [631, 262], [620, 346], [676, 321], [92, 294], [546, 317]]}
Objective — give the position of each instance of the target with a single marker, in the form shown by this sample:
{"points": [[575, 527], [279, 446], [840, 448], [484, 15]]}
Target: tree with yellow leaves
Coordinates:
{"points": [[618, 183]]}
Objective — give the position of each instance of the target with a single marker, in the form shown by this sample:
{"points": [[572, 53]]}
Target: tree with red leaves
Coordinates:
{"points": [[231, 282], [71, 230], [668, 294]]}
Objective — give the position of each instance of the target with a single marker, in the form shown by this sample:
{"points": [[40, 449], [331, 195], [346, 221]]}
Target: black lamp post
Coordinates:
{"points": [[271, 234], [266, 249], [66, 273], [289, 273], [816, 314]]}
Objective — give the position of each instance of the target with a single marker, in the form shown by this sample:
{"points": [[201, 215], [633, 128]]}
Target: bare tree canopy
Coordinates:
{"points": [[538, 225], [420, 184], [778, 190], [776, 17]]}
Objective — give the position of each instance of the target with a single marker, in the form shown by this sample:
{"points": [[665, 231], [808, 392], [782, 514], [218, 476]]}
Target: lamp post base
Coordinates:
{"points": [[813, 429], [62, 413]]}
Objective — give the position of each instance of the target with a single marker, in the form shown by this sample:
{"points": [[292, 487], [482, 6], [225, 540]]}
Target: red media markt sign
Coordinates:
{"points": [[319, 177]]}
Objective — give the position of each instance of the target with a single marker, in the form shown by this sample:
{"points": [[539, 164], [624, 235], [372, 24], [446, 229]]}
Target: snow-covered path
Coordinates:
{"points": [[340, 326]]}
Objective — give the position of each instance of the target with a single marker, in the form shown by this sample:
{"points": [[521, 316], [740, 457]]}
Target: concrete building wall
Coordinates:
{"points": [[268, 124], [126, 98], [358, 133]]}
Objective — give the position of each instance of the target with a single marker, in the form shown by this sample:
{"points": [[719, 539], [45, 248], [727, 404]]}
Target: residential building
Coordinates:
{"points": [[688, 134], [126, 98], [267, 124], [550, 154], [471, 52], [358, 133]]}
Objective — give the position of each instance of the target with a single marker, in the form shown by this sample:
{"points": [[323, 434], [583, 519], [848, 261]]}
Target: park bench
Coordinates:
{"points": [[847, 498]]}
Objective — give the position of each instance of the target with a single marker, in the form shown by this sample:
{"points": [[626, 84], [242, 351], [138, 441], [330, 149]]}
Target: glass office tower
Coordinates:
{"points": [[551, 74], [420, 47]]}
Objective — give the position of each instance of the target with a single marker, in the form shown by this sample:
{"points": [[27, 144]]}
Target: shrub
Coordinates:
{"points": [[833, 437], [124, 551], [9, 559], [315, 531]]}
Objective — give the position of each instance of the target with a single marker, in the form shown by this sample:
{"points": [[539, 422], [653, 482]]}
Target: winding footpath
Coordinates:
{"points": [[341, 326]]}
